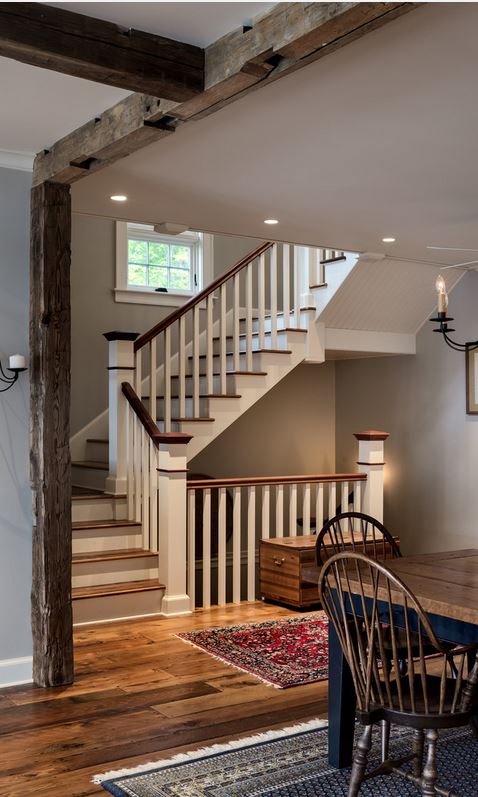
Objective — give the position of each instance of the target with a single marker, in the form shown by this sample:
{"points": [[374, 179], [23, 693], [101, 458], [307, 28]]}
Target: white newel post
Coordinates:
{"points": [[172, 473], [371, 462], [120, 369]]}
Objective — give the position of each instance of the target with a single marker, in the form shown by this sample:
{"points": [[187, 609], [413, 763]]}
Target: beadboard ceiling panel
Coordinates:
{"points": [[386, 296]]}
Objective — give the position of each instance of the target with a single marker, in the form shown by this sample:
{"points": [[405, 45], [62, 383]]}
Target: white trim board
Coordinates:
{"points": [[23, 161], [14, 672]]}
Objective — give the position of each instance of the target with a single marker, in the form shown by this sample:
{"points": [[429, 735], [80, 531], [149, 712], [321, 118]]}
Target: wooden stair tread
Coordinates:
{"points": [[254, 351], [319, 285], [267, 332], [97, 440], [120, 588], [228, 373], [96, 495], [103, 524], [201, 395], [91, 463], [109, 556]]}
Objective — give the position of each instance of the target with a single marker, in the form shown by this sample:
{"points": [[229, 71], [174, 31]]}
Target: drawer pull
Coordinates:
{"points": [[279, 562]]}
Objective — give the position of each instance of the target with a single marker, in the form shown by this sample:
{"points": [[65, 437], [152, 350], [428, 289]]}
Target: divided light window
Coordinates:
{"points": [[162, 261]]}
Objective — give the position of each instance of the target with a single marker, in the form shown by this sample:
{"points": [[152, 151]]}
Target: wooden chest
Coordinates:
{"points": [[281, 562]]}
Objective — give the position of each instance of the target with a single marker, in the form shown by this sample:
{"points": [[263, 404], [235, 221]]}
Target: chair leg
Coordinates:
{"points": [[385, 739], [418, 744], [429, 777], [360, 761]]}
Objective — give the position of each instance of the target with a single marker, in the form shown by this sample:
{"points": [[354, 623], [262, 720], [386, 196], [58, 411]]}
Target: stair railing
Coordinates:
{"points": [[205, 333], [233, 515]]}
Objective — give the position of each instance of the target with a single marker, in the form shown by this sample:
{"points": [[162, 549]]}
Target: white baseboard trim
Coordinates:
{"points": [[14, 672]]}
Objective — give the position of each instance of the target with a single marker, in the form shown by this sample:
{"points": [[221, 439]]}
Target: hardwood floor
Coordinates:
{"points": [[139, 695]]}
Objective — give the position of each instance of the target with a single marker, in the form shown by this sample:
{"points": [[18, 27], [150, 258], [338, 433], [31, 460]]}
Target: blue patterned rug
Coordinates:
{"points": [[293, 764]]}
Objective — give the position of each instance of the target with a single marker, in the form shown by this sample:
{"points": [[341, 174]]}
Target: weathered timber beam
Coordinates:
{"points": [[91, 48], [287, 38], [50, 433]]}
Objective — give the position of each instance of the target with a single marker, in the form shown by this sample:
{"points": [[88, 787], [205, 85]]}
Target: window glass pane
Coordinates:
{"points": [[158, 254], [137, 275], [179, 278], [158, 277], [180, 256], [137, 251]]}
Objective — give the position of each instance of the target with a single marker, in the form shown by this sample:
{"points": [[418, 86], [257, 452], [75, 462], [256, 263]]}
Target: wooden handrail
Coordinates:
{"points": [[251, 481], [147, 337], [146, 420]]}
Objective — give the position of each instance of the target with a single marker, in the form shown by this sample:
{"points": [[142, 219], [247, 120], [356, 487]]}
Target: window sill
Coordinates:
{"points": [[150, 297]]}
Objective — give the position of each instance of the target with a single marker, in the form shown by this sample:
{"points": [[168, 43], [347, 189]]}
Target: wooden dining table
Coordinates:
{"points": [[446, 586]]}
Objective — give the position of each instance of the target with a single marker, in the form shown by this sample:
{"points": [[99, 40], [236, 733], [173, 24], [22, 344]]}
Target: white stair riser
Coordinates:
{"points": [[282, 323], [116, 607], [281, 343], [99, 509], [95, 574], [188, 408], [203, 387], [229, 363], [114, 539], [91, 478], [98, 452]]}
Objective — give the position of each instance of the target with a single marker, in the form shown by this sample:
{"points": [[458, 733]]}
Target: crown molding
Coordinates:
{"points": [[23, 161]]}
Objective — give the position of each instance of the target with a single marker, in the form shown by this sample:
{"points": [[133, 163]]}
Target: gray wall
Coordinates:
{"points": [[15, 495], [431, 499], [95, 311], [289, 431]]}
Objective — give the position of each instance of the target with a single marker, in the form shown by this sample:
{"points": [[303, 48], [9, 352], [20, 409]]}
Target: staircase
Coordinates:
{"points": [[172, 391]]}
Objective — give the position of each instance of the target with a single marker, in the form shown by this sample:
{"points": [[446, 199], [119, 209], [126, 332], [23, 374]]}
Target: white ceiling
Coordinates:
{"points": [[375, 140], [38, 106], [196, 23]]}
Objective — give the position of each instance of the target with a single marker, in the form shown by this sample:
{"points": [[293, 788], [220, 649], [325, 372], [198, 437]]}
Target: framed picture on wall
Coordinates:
{"points": [[472, 381]]}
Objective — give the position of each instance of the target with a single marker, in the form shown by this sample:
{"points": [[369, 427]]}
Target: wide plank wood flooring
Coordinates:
{"points": [[139, 695]]}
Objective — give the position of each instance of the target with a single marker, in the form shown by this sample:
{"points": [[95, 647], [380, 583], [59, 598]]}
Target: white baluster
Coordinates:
{"points": [[332, 500], [236, 546], [345, 497], [261, 296], [221, 549], [266, 512], [306, 509], [206, 549], [251, 543], [137, 373], [209, 345], [293, 510], [129, 462], [153, 497], [358, 496], [279, 510], [286, 284], [192, 547], [138, 431], [296, 288], [167, 380], [182, 367], [145, 480], [319, 507], [223, 342], [249, 317], [273, 292], [152, 380], [196, 361], [236, 326]]}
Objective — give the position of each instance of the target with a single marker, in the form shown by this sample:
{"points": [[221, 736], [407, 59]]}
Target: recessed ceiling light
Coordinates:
{"points": [[271, 221], [119, 197], [389, 240]]}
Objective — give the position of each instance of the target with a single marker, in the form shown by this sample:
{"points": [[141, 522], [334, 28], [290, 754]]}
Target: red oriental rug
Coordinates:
{"points": [[281, 653]]}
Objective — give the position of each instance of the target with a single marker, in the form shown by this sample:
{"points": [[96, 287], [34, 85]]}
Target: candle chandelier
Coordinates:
{"points": [[442, 319], [16, 365]]}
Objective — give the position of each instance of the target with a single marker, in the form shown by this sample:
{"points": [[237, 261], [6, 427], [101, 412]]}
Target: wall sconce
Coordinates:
{"points": [[16, 364], [442, 319]]}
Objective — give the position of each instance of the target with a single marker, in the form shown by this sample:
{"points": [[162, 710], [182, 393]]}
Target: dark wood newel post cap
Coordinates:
{"points": [[371, 434], [115, 335]]}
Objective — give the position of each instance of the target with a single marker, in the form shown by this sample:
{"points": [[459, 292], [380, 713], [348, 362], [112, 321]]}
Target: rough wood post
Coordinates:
{"points": [[371, 462], [120, 369], [50, 433], [172, 472]]}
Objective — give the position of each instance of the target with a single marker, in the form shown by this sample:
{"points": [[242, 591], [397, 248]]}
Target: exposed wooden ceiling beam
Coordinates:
{"points": [[90, 48], [287, 38]]}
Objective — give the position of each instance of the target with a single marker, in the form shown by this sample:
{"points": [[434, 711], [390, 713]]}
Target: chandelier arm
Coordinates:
{"points": [[4, 389], [453, 344], [5, 377]]}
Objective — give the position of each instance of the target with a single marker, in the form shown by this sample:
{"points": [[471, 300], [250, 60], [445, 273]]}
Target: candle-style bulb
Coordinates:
{"points": [[440, 286]]}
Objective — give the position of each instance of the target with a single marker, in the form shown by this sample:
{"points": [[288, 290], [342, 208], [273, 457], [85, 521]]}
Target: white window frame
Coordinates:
{"points": [[132, 294]]}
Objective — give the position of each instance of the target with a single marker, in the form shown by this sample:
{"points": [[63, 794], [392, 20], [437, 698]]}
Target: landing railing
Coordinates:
{"points": [[227, 518]]}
